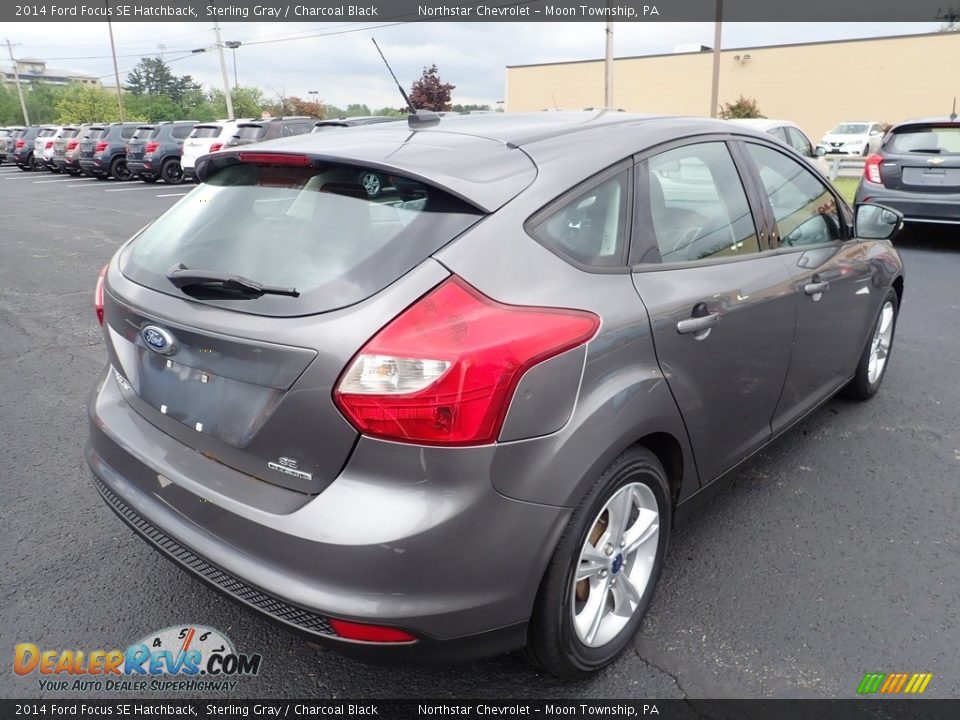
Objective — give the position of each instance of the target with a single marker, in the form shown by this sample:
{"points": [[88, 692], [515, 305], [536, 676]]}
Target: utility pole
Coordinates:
{"points": [[715, 88], [608, 68], [16, 77], [223, 71], [116, 71], [233, 45]]}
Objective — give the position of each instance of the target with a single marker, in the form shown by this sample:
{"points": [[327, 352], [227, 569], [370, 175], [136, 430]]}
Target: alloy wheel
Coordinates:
{"points": [[880, 345]]}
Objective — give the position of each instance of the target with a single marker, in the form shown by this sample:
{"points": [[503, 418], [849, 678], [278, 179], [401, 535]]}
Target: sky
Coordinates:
{"points": [[341, 64]]}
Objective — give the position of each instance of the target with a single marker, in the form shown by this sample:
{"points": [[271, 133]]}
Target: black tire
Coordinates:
{"points": [[28, 164], [861, 388], [553, 643], [37, 165], [371, 182], [100, 176], [149, 178], [171, 172], [119, 169]]}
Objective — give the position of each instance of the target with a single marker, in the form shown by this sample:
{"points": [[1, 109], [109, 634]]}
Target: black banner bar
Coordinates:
{"points": [[387, 11], [854, 709]]}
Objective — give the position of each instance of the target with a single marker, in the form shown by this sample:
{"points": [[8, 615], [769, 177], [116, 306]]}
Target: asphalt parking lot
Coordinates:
{"points": [[833, 553]]}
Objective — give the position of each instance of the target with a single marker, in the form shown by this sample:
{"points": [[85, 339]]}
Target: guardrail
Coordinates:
{"points": [[845, 166]]}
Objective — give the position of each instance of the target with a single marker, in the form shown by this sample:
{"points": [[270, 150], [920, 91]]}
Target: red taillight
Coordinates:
{"points": [[151, 147], [98, 294], [215, 146], [48, 145], [261, 158], [72, 145], [101, 146], [871, 168], [20, 143], [369, 633], [443, 372]]}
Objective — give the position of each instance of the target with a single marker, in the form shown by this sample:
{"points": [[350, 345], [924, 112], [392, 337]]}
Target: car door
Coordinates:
{"points": [[830, 278], [717, 297]]}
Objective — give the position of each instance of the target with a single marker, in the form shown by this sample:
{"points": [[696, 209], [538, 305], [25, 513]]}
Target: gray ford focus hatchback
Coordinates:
{"points": [[460, 417]]}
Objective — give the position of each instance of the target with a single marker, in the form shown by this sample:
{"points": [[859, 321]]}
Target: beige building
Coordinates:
{"points": [[815, 85]]}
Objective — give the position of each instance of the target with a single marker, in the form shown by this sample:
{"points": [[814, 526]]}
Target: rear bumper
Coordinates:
{"points": [[915, 207], [456, 564]]}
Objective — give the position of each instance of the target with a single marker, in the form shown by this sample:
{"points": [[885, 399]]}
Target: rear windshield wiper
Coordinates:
{"points": [[208, 281]]}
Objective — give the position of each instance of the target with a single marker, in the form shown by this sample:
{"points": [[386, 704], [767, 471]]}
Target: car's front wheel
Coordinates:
{"points": [[601, 578], [874, 359]]}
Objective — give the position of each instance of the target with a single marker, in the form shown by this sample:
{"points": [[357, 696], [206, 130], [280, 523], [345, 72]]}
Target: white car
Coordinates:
{"points": [[853, 138], [44, 142], [207, 138], [789, 134]]}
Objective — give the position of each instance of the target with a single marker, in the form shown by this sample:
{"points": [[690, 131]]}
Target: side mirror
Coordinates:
{"points": [[820, 151], [876, 222]]}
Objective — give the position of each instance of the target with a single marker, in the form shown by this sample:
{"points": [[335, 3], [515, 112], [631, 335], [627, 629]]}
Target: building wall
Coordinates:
{"points": [[815, 85]]}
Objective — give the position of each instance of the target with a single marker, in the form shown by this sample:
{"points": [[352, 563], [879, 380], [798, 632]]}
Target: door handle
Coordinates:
{"points": [[698, 325], [815, 288]]}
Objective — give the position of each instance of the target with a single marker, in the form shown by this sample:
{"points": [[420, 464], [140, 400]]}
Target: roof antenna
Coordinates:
{"points": [[953, 115], [417, 119]]}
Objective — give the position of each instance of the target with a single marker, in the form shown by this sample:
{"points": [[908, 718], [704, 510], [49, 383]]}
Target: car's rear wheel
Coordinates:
{"points": [[119, 169], [171, 172], [875, 357], [37, 165], [371, 183], [601, 578]]}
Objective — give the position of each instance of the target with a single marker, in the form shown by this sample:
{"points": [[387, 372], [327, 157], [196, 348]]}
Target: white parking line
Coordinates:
{"points": [[44, 182], [172, 195], [128, 189]]}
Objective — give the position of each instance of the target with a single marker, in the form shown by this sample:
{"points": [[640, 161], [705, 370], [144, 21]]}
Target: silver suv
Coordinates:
{"points": [[460, 417]]}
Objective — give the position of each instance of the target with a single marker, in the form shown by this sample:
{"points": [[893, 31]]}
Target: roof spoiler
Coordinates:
{"points": [[422, 119]]}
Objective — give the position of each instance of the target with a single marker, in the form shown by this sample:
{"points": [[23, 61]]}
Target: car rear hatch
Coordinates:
{"points": [[60, 144], [248, 133], [200, 140], [40, 144], [247, 378], [922, 157], [88, 145], [137, 144]]}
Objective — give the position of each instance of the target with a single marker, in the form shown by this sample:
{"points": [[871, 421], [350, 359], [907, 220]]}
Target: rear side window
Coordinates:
{"points": [[250, 132], [313, 229], [182, 132], [925, 140], [206, 131], [695, 206], [590, 228], [799, 142]]}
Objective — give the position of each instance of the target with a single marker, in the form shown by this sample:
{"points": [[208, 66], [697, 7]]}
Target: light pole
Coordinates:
{"points": [[116, 72], [717, 38], [233, 45]]}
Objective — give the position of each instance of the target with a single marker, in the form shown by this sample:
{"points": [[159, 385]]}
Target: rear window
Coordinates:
{"points": [[18, 133], [250, 132], [206, 131], [70, 132], [4, 132], [925, 139], [48, 132], [313, 229], [97, 133], [145, 133]]}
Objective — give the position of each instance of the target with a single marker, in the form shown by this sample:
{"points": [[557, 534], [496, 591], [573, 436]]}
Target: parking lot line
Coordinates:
{"points": [[44, 182], [128, 189], [172, 194]]}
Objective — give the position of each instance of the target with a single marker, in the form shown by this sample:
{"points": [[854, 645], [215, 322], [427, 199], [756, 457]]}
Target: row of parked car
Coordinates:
{"points": [[150, 151]]}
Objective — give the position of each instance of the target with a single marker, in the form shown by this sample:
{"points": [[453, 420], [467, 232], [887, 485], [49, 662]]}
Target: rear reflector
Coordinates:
{"points": [[871, 168], [369, 633], [98, 294], [261, 158], [444, 371]]}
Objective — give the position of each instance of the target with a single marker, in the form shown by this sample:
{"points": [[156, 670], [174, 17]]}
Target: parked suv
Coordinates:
{"points": [[23, 149], [917, 171], [459, 418], [71, 152], [154, 151], [270, 129], [104, 153], [58, 143], [7, 141], [206, 138], [42, 143]]}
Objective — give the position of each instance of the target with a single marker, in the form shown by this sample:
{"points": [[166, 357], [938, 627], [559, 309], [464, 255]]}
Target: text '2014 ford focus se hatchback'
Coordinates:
{"points": [[458, 418]]}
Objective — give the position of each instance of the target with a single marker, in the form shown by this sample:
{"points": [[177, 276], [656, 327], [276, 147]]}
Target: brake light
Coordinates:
{"points": [[443, 372], [72, 145], [262, 158], [48, 145], [369, 633], [98, 294], [215, 146], [871, 168], [20, 143], [101, 146], [151, 147]]}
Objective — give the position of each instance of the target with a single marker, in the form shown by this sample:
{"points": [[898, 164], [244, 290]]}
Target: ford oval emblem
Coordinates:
{"points": [[158, 340]]}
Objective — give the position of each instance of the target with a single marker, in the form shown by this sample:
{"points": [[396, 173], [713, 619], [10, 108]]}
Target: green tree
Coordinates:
{"points": [[429, 93], [152, 76], [247, 102], [357, 110], [42, 99], [91, 103], [10, 112], [469, 107], [390, 112], [153, 107], [742, 108]]}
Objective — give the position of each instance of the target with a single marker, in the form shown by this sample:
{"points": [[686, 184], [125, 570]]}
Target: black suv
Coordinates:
{"points": [[154, 151], [103, 153], [21, 153], [917, 171], [270, 129]]}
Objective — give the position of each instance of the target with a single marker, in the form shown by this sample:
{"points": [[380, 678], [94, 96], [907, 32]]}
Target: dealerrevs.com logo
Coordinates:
{"points": [[177, 659]]}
